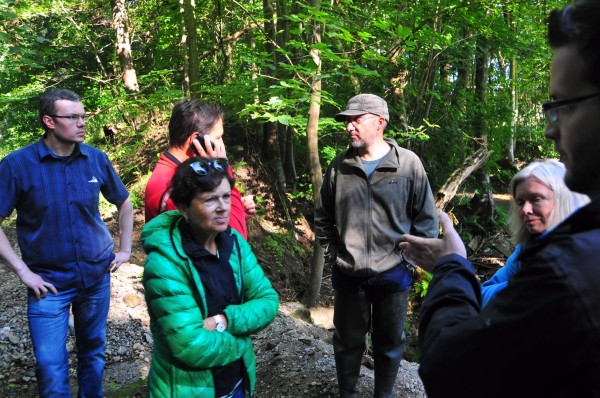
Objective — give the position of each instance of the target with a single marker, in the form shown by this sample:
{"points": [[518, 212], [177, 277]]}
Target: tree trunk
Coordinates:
{"points": [[510, 146], [191, 45], [121, 26], [462, 76], [274, 158], [316, 173], [290, 159], [271, 137], [480, 126], [447, 191], [183, 44]]}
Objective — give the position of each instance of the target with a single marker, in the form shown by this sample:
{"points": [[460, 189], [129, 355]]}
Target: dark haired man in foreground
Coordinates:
{"points": [[540, 337]]}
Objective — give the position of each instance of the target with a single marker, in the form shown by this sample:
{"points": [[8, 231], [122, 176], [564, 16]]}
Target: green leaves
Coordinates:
{"points": [[420, 56], [41, 39]]}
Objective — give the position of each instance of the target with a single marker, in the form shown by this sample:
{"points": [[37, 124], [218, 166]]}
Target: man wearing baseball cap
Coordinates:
{"points": [[372, 194]]}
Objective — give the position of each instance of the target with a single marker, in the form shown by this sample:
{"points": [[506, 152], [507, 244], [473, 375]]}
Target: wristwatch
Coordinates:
{"points": [[220, 323]]}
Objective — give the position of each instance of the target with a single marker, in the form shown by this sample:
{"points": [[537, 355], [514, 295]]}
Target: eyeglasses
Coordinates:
{"points": [[72, 118], [202, 168], [358, 121], [551, 108]]}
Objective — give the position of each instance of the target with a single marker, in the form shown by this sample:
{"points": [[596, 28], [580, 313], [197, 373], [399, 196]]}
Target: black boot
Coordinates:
{"points": [[389, 313], [351, 318]]}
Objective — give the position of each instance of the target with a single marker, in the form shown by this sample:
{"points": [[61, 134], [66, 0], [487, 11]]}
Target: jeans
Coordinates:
{"points": [[49, 325]]}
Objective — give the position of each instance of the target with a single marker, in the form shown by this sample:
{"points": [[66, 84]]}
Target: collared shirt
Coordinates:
{"points": [[59, 229]]}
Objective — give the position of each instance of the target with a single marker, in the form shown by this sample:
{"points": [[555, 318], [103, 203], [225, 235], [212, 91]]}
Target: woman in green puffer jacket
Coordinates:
{"points": [[206, 293]]}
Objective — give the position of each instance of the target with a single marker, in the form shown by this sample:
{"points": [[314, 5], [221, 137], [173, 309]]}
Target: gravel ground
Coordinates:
{"points": [[129, 340], [294, 357]]}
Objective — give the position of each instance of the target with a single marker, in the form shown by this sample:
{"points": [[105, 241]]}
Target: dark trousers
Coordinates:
{"points": [[354, 313]]}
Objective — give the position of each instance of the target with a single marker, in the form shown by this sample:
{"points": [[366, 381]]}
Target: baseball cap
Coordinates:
{"points": [[364, 103]]}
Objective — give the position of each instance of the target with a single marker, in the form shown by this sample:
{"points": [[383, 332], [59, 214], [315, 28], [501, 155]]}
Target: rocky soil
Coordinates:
{"points": [[294, 357]]}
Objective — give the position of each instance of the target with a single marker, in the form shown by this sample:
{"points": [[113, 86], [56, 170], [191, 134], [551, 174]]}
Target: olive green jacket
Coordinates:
{"points": [[183, 350]]}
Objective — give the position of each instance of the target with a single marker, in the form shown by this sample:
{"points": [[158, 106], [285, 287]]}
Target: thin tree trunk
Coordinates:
{"points": [[316, 173], [121, 26], [480, 126], [471, 164], [271, 137], [183, 44], [290, 159], [191, 45], [510, 146]]}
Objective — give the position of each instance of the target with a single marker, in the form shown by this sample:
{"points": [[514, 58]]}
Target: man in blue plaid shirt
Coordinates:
{"points": [[67, 250]]}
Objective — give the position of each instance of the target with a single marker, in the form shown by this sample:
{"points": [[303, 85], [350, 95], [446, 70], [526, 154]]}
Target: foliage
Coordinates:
{"points": [[421, 285], [364, 49], [262, 66], [282, 243]]}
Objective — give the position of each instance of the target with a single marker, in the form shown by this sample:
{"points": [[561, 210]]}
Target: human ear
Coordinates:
{"points": [[48, 121], [184, 212]]}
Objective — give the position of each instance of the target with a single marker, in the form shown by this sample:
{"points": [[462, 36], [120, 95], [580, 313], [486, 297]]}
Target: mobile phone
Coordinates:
{"points": [[200, 138]]}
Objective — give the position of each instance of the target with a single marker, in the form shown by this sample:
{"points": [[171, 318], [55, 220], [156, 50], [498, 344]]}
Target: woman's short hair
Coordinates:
{"points": [[197, 175], [551, 173]]}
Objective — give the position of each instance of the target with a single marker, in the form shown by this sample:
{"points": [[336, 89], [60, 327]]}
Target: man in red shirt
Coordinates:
{"points": [[195, 129]]}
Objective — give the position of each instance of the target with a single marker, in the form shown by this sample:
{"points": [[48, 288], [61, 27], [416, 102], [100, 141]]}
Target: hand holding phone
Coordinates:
{"points": [[200, 138], [203, 145]]}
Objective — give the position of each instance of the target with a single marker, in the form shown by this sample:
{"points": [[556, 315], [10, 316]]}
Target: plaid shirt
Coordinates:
{"points": [[60, 232]]}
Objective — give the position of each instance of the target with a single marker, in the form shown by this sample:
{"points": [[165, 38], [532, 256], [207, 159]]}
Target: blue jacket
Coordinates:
{"points": [[543, 328], [500, 279]]}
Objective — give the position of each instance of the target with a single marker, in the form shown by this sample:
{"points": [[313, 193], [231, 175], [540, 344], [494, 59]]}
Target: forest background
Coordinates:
{"points": [[462, 78]]}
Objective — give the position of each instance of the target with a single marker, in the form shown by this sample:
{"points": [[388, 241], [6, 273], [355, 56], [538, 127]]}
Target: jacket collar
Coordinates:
{"points": [[390, 160]]}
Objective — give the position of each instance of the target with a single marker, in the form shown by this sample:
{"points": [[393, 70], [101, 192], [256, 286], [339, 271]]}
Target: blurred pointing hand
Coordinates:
{"points": [[426, 251]]}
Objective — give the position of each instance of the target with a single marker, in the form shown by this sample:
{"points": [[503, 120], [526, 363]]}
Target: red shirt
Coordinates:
{"points": [[157, 196]]}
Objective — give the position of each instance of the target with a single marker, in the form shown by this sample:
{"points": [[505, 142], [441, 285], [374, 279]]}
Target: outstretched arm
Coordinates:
{"points": [[30, 279]]}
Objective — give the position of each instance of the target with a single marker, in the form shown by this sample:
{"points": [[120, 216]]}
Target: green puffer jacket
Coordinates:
{"points": [[183, 350]]}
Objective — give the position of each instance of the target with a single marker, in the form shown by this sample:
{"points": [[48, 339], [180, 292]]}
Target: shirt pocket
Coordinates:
{"points": [[394, 196]]}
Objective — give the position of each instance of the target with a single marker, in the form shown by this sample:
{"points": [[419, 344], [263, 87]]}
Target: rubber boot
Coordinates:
{"points": [[351, 318], [389, 313]]}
